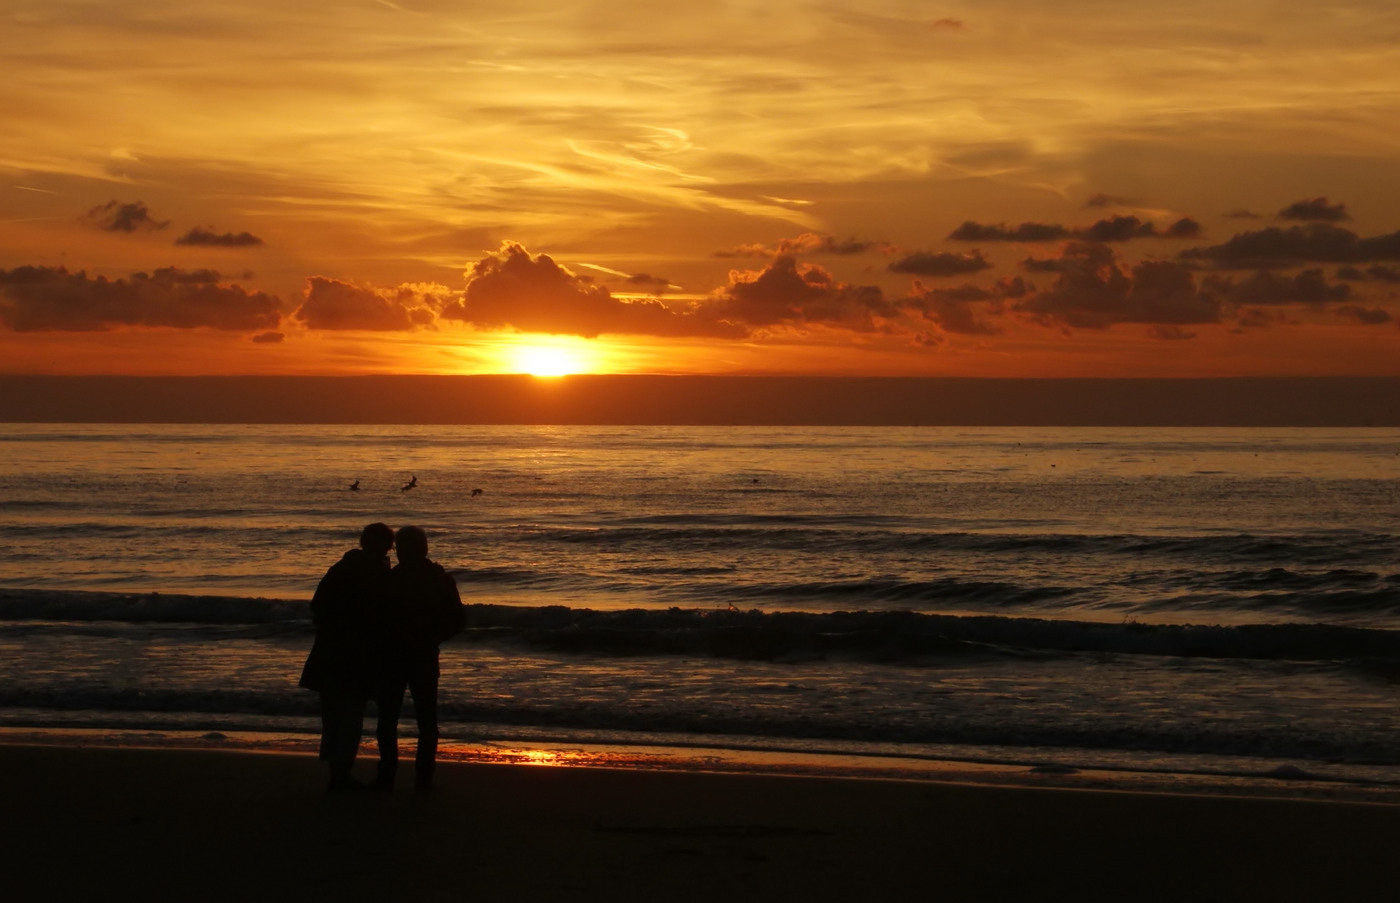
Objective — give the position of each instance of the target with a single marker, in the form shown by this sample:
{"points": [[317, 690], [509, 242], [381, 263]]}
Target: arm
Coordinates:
{"points": [[323, 602], [454, 613]]}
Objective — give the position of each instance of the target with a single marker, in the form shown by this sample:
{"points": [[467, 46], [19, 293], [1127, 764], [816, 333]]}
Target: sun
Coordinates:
{"points": [[548, 359]]}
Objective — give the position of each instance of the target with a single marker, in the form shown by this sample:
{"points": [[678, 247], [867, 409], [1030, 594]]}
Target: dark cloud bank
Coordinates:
{"points": [[35, 299], [1113, 229]]}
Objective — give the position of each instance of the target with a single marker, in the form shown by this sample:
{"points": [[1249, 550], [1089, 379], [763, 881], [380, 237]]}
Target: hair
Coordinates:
{"points": [[412, 543], [377, 538]]}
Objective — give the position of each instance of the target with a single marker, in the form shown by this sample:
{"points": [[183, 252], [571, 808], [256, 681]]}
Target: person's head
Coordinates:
{"points": [[412, 544], [377, 539]]}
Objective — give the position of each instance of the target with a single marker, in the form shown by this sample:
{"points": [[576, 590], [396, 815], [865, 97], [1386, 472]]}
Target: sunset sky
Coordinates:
{"points": [[882, 187]]}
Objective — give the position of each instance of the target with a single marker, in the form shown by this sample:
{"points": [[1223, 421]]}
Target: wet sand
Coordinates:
{"points": [[82, 822]]}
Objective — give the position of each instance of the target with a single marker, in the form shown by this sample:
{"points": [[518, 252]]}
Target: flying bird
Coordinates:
{"points": [[410, 484]]}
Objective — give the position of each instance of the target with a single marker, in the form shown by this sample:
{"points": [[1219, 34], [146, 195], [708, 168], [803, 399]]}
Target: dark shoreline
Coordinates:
{"points": [[704, 400], [234, 826]]}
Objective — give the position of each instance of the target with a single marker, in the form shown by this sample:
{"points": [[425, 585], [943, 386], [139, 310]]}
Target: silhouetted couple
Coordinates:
{"points": [[377, 634]]}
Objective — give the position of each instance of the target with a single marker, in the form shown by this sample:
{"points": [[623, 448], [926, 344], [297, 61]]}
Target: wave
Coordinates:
{"points": [[879, 533], [893, 636], [883, 636], [170, 608], [462, 714]]}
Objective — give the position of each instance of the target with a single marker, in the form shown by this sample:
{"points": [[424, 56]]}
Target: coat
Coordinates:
{"points": [[424, 609], [342, 610]]}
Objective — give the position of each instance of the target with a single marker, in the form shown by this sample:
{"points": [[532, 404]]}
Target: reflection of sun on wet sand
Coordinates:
{"points": [[178, 824]]}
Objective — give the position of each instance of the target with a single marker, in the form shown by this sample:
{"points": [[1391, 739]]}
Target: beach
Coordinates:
{"points": [[216, 825], [935, 664]]}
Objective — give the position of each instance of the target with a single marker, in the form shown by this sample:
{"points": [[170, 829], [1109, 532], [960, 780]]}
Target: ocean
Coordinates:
{"points": [[1177, 603]]}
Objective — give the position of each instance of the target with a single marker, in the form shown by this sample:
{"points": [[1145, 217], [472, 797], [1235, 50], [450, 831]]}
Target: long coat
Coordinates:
{"points": [[424, 609], [343, 610]]}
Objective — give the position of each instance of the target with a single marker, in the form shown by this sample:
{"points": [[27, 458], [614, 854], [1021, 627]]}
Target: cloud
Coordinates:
{"points": [[952, 308], [116, 216], [1170, 333], [206, 237], [1368, 316], [1376, 272], [1315, 242], [1126, 228], [1026, 232], [1183, 228], [1315, 210], [39, 299], [1268, 288], [1106, 200], [512, 290], [753, 250], [1093, 291], [645, 280], [334, 304], [810, 243], [268, 338], [786, 293], [948, 24], [1241, 214], [1114, 228], [942, 264]]}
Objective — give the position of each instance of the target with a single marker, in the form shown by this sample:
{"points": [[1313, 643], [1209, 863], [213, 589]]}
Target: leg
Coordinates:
{"points": [[389, 701], [330, 724], [423, 683], [342, 722]]}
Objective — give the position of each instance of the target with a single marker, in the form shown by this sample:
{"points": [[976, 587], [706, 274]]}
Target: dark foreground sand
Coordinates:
{"points": [[83, 824]]}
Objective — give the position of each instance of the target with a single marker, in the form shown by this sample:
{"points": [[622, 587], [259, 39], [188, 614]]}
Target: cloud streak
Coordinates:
{"points": [[1112, 229], [209, 238], [940, 264]]}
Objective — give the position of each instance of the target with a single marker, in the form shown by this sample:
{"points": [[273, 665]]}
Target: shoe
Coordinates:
{"points": [[343, 785]]}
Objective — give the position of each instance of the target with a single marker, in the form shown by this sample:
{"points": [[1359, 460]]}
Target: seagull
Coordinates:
{"points": [[410, 484], [355, 486]]}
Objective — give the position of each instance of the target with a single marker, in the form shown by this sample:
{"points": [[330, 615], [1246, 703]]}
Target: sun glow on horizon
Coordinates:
{"points": [[551, 357]]}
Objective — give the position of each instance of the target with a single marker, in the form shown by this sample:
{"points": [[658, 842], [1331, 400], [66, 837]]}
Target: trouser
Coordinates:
{"points": [[420, 678], [342, 721]]}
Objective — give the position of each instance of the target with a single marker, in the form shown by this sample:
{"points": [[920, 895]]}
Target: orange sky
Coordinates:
{"points": [[882, 187]]}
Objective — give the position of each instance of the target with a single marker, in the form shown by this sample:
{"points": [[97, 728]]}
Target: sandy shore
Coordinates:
{"points": [[82, 823]]}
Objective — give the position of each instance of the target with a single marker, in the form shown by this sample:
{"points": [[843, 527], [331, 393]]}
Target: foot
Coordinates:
{"points": [[340, 785]]}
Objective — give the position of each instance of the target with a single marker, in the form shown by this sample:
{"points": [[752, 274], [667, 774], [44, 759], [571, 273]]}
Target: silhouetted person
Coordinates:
{"points": [[412, 483], [355, 486], [341, 667], [424, 609]]}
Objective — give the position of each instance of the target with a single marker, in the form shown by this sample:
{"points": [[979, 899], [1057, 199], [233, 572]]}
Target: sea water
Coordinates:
{"points": [[1158, 599]]}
